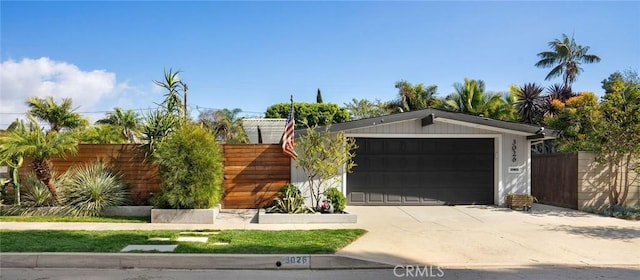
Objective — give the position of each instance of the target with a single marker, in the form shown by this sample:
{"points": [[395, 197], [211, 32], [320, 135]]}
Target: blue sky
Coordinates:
{"points": [[250, 55]]}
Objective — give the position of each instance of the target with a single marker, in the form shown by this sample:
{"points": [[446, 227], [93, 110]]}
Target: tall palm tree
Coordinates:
{"points": [[33, 143], [172, 99], [530, 103], [128, 122], [412, 97], [58, 116], [226, 125], [565, 57]]}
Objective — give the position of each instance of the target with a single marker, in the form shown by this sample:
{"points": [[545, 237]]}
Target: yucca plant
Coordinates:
{"points": [[88, 190], [35, 193], [290, 200]]}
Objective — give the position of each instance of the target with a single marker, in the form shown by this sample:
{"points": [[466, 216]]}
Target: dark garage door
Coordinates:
{"points": [[413, 171]]}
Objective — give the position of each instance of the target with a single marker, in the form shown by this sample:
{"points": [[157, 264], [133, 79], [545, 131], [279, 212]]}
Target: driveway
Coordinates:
{"points": [[484, 236]]}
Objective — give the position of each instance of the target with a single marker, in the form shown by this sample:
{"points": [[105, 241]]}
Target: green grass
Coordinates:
{"points": [[40, 219], [323, 241]]}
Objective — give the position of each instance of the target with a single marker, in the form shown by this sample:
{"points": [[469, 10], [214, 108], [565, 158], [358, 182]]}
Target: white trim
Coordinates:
{"points": [[529, 167], [419, 135], [497, 147], [481, 126]]}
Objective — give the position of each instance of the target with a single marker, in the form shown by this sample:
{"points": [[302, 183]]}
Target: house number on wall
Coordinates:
{"points": [[514, 148]]}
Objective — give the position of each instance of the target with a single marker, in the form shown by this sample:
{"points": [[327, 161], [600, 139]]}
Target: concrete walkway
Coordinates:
{"points": [[452, 237]]}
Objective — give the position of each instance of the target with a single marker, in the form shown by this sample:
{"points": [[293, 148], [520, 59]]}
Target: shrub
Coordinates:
{"points": [[336, 199], [618, 211], [190, 163], [289, 200], [34, 193], [87, 190]]}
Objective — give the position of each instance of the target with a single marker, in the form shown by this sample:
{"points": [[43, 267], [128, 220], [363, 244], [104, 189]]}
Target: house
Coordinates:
{"points": [[435, 157], [263, 131]]}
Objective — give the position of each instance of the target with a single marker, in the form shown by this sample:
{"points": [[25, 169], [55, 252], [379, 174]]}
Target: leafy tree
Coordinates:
{"points": [[33, 143], [319, 97], [413, 97], [128, 122], [530, 103], [565, 57], [173, 102], [578, 119], [311, 114], [363, 108], [621, 132], [225, 124], [322, 155], [190, 162], [58, 116]]}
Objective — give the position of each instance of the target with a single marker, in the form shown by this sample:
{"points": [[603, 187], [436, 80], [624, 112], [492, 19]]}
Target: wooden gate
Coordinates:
{"points": [[554, 179], [253, 173]]}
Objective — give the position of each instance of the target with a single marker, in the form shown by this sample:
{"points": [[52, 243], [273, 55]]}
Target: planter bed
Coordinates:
{"points": [[185, 216], [316, 218]]}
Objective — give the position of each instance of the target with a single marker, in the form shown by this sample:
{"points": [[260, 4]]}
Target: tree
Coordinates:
{"points": [[191, 167], [311, 114], [128, 122], [363, 108], [469, 97], [530, 103], [319, 97], [33, 143], [172, 99], [565, 57], [102, 134], [621, 133], [58, 116], [413, 97], [225, 124], [322, 156], [579, 119]]}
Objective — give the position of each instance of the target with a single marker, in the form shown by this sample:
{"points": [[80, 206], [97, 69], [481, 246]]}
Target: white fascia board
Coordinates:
{"points": [[481, 126], [419, 135]]}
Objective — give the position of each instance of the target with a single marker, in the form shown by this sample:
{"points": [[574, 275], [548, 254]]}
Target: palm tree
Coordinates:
{"points": [[172, 99], [469, 97], [33, 143], [530, 103], [58, 116], [565, 58], [226, 125], [412, 97], [128, 122]]}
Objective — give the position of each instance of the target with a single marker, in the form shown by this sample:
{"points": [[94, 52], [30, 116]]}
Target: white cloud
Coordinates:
{"points": [[45, 77]]}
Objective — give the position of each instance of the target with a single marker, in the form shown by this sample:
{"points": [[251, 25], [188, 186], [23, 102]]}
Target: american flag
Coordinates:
{"points": [[287, 136]]}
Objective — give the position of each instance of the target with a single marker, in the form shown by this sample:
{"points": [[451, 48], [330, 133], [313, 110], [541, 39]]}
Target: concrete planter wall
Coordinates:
{"points": [[279, 218], [185, 216], [127, 211]]}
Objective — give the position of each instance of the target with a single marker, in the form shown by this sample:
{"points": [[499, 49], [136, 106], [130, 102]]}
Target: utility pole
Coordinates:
{"points": [[185, 89]]}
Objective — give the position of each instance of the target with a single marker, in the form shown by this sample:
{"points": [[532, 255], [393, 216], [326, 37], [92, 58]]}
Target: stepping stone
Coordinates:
{"points": [[159, 239], [200, 233], [159, 248], [220, 243], [193, 239]]}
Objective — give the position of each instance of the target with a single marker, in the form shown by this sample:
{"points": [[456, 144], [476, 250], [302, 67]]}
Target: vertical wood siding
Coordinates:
{"points": [[554, 179]]}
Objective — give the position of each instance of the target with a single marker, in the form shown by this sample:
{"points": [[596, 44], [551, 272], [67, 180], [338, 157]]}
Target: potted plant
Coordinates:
{"points": [[523, 201]]}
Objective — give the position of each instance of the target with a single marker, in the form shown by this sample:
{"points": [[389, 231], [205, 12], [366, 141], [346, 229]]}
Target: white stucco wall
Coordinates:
{"points": [[505, 181]]}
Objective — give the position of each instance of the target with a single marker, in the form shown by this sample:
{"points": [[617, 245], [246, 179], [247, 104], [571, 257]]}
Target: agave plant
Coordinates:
{"points": [[88, 190], [290, 200]]}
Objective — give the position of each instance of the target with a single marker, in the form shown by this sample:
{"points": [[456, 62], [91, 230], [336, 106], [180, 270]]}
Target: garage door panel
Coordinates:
{"points": [[422, 171]]}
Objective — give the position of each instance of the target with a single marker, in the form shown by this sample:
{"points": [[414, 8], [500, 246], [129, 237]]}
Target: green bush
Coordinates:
{"points": [[191, 169], [34, 193], [290, 200], [336, 199], [621, 212], [310, 113], [87, 190]]}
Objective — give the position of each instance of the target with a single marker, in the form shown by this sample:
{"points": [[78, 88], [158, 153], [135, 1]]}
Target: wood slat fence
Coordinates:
{"points": [[253, 174], [554, 179]]}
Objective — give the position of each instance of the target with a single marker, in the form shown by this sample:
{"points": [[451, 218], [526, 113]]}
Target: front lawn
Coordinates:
{"points": [[40, 219], [323, 241]]}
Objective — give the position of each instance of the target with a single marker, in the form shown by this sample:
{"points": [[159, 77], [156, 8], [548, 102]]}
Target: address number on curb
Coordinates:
{"points": [[296, 260]]}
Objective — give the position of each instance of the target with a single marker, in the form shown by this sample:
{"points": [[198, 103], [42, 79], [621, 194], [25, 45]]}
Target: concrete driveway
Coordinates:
{"points": [[459, 236]]}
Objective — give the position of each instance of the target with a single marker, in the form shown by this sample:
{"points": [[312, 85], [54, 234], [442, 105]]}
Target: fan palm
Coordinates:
{"points": [[128, 122], [33, 143], [58, 116], [412, 97], [565, 58]]}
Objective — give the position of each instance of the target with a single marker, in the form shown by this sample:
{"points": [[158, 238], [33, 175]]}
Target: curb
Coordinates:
{"points": [[184, 261]]}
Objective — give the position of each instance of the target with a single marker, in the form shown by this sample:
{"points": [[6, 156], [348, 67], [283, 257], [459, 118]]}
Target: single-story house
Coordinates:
{"points": [[435, 157]]}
